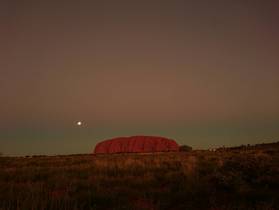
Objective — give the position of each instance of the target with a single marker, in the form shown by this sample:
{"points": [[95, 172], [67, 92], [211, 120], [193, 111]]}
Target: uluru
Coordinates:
{"points": [[136, 144]]}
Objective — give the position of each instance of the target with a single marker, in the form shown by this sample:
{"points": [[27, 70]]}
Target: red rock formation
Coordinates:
{"points": [[136, 144]]}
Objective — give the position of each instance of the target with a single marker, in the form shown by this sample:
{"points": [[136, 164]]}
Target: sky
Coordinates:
{"points": [[205, 73]]}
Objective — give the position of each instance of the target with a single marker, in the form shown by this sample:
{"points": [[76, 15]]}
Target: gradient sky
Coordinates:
{"points": [[205, 73]]}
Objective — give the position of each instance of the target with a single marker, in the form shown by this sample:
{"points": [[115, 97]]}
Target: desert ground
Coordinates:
{"points": [[244, 177]]}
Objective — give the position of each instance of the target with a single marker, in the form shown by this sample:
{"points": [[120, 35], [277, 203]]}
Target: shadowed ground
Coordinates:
{"points": [[234, 178]]}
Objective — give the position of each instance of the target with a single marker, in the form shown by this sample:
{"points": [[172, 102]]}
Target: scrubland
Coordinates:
{"points": [[244, 177]]}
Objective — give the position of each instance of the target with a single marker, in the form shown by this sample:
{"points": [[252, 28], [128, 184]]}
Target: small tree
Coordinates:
{"points": [[185, 148]]}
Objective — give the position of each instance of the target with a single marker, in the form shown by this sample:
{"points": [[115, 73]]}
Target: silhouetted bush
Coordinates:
{"points": [[185, 148]]}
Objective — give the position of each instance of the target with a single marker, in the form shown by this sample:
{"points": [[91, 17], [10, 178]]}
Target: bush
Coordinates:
{"points": [[185, 148]]}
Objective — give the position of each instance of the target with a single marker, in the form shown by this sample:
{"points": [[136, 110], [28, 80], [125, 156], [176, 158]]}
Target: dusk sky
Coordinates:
{"points": [[205, 73]]}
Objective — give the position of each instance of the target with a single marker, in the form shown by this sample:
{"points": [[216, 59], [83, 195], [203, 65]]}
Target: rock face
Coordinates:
{"points": [[136, 144]]}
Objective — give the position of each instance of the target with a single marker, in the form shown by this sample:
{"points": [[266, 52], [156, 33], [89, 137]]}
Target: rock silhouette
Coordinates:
{"points": [[136, 144]]}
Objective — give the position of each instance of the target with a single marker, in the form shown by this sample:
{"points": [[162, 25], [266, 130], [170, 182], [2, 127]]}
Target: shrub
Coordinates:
{"points": [[185, 148]]}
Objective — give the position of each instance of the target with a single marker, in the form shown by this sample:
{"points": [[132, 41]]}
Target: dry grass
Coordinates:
{"points": [[226, 179]]}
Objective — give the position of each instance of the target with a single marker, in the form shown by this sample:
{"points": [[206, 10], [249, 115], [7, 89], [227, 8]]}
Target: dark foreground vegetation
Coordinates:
{"points": [[245, 177]]}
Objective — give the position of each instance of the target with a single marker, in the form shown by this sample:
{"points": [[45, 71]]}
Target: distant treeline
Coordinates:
{"points": [[249, 146]]}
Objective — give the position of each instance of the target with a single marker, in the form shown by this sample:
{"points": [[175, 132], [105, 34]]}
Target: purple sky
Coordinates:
{"points": [[205, 74]]}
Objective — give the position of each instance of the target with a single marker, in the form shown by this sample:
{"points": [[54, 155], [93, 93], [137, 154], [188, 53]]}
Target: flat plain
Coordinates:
{"points": [[244, 177]]}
